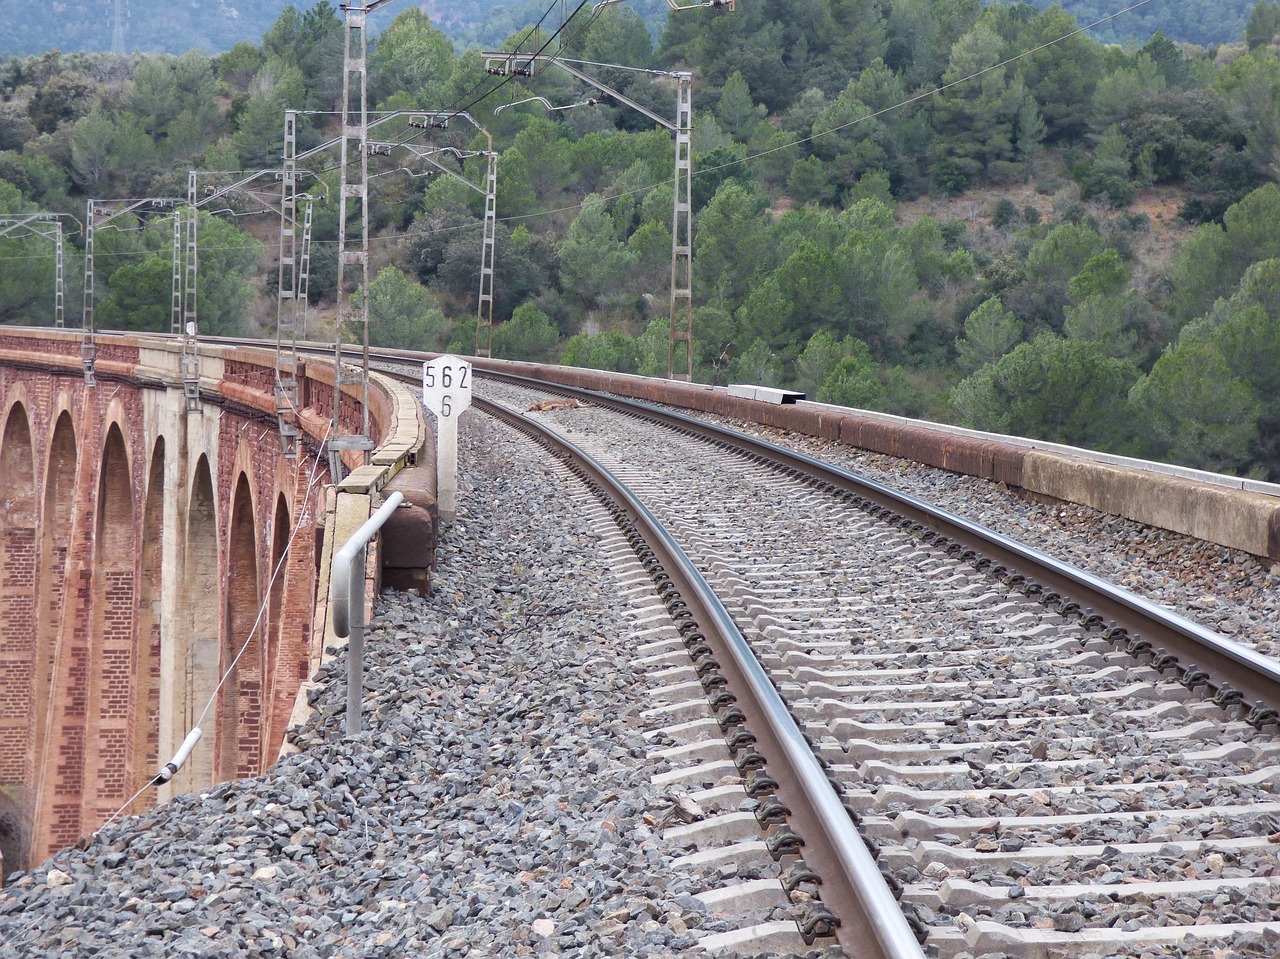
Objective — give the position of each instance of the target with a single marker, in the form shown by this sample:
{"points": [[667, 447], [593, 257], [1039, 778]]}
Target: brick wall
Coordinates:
{"points": [[83, 572]]}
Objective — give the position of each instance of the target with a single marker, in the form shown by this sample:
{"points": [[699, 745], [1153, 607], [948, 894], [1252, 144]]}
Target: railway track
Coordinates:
{"points": [[1039, 768]]}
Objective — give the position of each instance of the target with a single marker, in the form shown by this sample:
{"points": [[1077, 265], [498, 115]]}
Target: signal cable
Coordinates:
{"points": [[870, 116], [193, 736]]}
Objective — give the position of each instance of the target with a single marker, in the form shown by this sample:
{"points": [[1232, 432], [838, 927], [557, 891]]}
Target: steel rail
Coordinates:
{"points": [[872, 923], [1234, 671]]}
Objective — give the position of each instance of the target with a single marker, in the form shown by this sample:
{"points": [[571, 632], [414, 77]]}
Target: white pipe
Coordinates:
{"points": [[173, 765]]}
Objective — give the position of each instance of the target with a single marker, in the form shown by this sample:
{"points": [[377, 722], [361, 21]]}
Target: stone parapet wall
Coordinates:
{"points": [[1231, 516]]}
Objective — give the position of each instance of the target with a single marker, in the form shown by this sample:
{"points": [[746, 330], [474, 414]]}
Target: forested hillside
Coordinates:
{"points": [[1202, 22], [941, 208], [214, 26], [147, 26]]}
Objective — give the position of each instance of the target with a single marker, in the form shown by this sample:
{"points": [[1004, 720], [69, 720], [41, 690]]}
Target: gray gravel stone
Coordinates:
{"points": [[476, 814]]}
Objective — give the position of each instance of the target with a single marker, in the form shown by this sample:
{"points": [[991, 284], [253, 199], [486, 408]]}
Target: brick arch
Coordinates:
{"points": [[146, 726], [18, 649], [109, 752], [61, 470], [196, 642], [280, 532], [240, 722]]}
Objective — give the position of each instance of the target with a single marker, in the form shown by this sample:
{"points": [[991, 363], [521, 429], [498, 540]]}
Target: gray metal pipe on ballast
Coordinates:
{"points": [[348, 604]]}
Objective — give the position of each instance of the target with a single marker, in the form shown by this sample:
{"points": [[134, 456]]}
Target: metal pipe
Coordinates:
{"points": [[348, 604]]}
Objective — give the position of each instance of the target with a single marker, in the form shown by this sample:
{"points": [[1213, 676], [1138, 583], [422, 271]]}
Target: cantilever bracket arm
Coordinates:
{"points": [[588, 80], [677, 5], [550, 108], [10, 224]]}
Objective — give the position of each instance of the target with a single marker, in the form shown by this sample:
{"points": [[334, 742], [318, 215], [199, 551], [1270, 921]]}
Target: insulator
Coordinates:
{"points": [[722, 699], [1194, 677], [172, 766], [1116, 635], [731, 716], [1138, 646], [706, 665], [892, 881], [714, 680], [873, 847]]}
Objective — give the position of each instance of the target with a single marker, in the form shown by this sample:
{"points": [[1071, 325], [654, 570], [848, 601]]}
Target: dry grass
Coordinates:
{"points": [[1155, 242]]}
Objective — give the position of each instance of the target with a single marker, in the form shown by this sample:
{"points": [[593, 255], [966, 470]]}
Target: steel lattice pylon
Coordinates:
{"points": [[484, 298], [682, 233], [190, 343], [353, 240], [286, 365], [100, 213], [484, 304], [185, 320], [43, 225], [681, 321]]}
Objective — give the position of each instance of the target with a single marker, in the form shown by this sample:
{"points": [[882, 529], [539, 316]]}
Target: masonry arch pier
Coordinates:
{"points": [[147, 551]]}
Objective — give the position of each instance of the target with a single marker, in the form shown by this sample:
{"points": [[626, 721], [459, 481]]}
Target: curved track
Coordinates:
{"points": [[1045, 763]]}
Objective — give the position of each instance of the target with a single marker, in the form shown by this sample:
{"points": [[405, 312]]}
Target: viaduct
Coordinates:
{"points": [[162, 568], [146, 552]]}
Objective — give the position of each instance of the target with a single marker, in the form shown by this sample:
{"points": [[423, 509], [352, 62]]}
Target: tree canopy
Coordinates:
{"points": [[951, 208]]}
